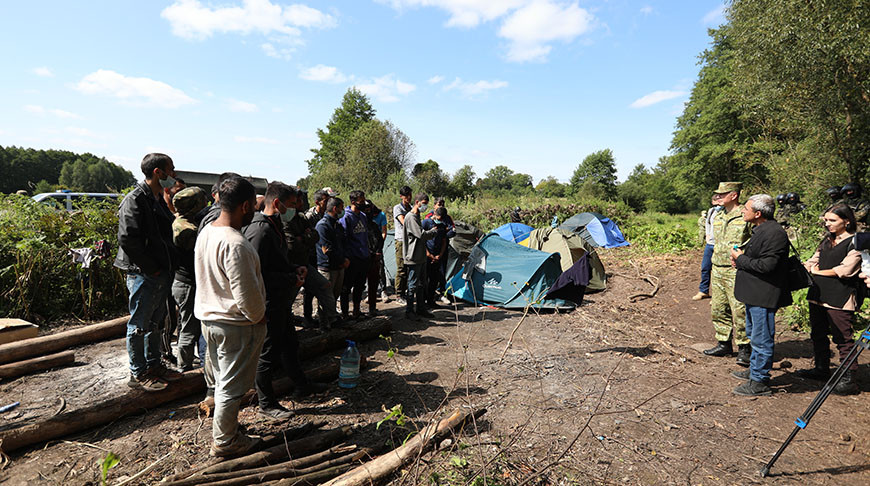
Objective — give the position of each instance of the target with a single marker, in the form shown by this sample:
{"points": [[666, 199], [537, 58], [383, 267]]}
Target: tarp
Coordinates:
{"points": [[515, 232], [571, 247], [390, 258], [595, 228], [503, 274], [460, 246]]}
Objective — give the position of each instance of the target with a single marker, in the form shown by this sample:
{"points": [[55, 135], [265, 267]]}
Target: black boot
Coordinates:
{"points": [[422, 311], [722, 349], [847, 384], [744, 351], [822, 369]]}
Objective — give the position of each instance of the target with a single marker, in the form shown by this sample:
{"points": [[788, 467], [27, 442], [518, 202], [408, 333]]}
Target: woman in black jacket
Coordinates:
{"points": [[834, 296]]}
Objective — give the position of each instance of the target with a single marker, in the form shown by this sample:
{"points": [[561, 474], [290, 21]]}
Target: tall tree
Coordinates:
{"points": [[429, 178], [462, 182], [354, 111], [597, 172], [551, 187]]}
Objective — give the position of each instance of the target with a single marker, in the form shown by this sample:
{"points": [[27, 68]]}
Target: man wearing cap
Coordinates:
{"points": [[728, 314]]}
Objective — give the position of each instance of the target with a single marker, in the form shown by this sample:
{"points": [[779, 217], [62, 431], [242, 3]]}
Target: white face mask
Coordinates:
{"points": [[424, 207], [168, 182], [288, 215]]}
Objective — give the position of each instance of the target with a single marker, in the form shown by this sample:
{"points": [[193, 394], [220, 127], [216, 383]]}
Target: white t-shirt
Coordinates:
{"points": [[399, 210], [229, 284]]}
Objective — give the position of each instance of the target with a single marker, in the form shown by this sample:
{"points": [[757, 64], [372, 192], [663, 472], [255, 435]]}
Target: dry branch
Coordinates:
{"points": [[38, 346], [378, 469], [313, 478], [249, 477], [20, 368]]}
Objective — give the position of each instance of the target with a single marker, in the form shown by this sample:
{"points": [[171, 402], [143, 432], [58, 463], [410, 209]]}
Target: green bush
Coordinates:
{"points": [[38, 280]]}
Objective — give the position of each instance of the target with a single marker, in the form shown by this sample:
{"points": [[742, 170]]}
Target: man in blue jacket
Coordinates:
{"points": [[147, 255], [330, 249], [356, 230]]}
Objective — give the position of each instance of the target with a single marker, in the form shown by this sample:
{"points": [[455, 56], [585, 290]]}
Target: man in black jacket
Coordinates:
{"points": [[147, 255], [761, 284], [282, 280]]}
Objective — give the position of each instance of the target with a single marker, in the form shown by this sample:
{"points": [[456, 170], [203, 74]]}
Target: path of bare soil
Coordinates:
{"points": [[614, 392]]}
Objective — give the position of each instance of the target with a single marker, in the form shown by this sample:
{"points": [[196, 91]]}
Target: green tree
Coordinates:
{"points": [[354, 111], [597, 174], [429, 178], [501, 178], [551, 187], [462, 184], [91, 174]]}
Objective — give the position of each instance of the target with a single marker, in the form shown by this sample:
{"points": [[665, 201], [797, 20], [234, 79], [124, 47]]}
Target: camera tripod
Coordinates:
{"points": [[801, 422]]}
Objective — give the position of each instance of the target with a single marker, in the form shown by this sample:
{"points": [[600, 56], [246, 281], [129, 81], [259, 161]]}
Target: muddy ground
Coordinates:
{"points": [[615, 392]]}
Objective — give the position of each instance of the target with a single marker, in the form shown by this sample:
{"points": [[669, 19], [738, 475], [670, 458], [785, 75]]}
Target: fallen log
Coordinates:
{"points": [[302, 462], [41, 345], [285, 472], [312, 443], [135, 401], [376, 470], [19, 368], [336, 338], [313, 478]]}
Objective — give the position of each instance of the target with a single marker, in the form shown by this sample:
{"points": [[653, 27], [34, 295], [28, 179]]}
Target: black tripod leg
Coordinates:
{"points": [[804, 420]]}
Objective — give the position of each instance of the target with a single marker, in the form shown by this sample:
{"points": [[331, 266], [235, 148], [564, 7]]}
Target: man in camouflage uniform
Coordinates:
{"points": [[852, 197], [728, 314]]}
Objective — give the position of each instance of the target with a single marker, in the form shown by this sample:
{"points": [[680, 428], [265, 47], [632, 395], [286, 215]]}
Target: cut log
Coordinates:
{"points": [[134, 401], [38, 346], [336, 338], [249, 477], [313, 478], [302, 462], [299, 447], [376, 470], [19, 368]]}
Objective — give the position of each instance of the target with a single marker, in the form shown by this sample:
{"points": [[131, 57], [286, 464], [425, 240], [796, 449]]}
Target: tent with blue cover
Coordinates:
{"points": [[595, 228], [503, 274], [515, 232]]}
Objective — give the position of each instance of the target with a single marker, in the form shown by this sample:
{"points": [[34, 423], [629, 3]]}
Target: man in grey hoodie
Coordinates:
{"points": [[414, 257]]}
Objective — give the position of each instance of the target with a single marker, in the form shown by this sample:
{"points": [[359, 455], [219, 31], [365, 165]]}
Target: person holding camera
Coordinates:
{"points": [[762, 285], [833, 298]]}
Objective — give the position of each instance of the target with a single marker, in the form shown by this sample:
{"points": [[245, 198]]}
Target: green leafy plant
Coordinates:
{"points": [[108, 462]]}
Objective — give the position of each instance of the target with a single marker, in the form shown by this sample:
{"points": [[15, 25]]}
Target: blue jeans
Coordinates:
{"points": [[706, 267], [148, 296], [416, 286], [760, 330]]}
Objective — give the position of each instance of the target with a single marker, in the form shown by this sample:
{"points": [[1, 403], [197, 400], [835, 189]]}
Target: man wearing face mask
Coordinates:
{"points": [[231, 304], [147, 255], [414, 251], [355, 224], [282, 280]]}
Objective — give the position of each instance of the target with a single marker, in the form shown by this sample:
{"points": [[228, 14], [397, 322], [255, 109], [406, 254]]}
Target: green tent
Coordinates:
{"points": [[571, 247]]}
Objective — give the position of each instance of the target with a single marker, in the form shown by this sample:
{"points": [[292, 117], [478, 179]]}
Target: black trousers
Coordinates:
{"points": [[280, 349], [354, 284], [435, 273], [838, 323]]}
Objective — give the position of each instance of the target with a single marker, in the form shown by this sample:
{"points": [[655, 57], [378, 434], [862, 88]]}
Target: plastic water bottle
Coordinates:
{"points": [[865, 262], [348, 373]]}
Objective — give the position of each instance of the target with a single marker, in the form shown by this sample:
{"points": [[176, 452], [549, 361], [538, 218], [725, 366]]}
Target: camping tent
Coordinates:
{"points": [[460, 246], [595, 228], [571, 247], [507, 275], [390, 258], [515, 232]]}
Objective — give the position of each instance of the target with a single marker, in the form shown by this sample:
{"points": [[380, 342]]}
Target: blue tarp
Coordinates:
{"points": [[515, 232], [503, 274], [596, 229]]}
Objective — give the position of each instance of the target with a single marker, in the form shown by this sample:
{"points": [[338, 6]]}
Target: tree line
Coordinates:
{"points": [[37, 171]]}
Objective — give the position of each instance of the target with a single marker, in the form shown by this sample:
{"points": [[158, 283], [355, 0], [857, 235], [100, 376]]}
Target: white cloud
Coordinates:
{"points": [[322, 73], [435, 79], [646, 10], [134, 91], [40, 110], [43, 71], [80, 132], [277, 110], [192, 19], [656, 97], [283, 51], [531, 28], [263, 140], [470, 90], [386, 88], [463, 13], [239, 106], [715, 16]]}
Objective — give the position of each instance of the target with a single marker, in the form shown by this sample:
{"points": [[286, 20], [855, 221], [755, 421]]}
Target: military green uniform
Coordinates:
{"points": [[861, 208], [728, 313]]}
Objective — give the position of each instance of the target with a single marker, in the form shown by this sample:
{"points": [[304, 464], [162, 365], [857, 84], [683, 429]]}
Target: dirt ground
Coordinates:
{"points": [[613, 392]]}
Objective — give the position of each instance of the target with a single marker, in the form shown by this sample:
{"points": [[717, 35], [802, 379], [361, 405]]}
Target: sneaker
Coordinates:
{"points": [[276, 413], [162, 372], [401, 301], [740, 374], [239, 446], [701, 296], [146, 382], [385, 297], [753, 388], [444, 300]]}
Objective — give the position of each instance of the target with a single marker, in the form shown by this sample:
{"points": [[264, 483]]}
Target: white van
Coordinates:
{"points": [[68, 200]]}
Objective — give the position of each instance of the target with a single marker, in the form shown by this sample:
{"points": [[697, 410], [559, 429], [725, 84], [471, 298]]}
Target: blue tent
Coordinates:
{"points": [[515, 232], [506, 275], [596, 229]]}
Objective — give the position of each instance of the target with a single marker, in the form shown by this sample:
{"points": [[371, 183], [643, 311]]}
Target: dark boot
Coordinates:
{"points": [[822, 369], [744, 351], [722, 349], [847, 384], [753, 388], [422, 311]]}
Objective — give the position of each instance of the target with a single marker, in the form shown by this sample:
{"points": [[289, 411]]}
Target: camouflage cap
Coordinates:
{"points": [[725, 187], [189, 200]]}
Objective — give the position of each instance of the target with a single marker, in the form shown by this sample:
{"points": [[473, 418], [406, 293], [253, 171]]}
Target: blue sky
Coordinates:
{"points": [[242, 85]]}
